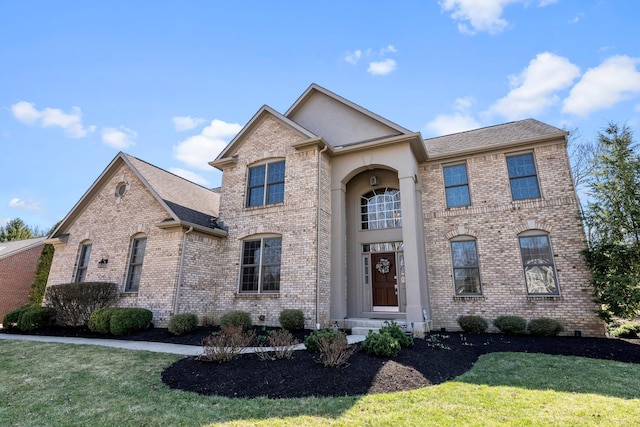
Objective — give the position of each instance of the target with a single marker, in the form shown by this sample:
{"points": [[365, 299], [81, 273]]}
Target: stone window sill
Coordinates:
{"points": [[248, 295], [544, 298], [469, 298]]}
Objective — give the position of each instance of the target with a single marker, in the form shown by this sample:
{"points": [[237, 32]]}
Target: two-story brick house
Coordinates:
{"points": [[334, 210]]}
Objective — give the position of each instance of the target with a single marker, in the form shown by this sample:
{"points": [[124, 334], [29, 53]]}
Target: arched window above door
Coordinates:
{"points": [[380, 208]]}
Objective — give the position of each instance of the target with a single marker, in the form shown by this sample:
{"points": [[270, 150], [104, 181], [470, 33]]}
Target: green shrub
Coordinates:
{"points": [[10, 319], [473, 324], [511, 325], [74, 302], [626, 330], [398, 333], [292, 320], [183, 323], [127, 320], [33, 318], [381, 345], [544, 326], [100, 320], [312, 340], [236, 318]]}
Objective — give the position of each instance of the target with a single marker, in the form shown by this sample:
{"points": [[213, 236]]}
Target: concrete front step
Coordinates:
{"points": [[363, 326]]}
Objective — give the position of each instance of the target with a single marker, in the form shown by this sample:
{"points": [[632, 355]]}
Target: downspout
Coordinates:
{"points": [[177, 296], [326, 147]]}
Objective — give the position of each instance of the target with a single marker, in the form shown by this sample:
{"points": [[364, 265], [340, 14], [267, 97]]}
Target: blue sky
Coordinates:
{"points": [[172, 82]]}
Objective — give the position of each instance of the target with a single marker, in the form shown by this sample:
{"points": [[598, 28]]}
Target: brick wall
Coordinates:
{"points": [[16, 277], [495, 221]]}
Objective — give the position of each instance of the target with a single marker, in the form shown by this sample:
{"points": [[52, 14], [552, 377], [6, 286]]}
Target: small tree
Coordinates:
{"points": [[42, 275], [612, 218], [15, 229]]}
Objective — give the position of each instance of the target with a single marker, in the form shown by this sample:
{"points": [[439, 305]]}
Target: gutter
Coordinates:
{"points": [[326, 147], [177, 295]]}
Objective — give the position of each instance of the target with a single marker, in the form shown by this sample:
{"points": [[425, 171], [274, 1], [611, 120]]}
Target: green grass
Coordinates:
{"points": [[66, 385]]}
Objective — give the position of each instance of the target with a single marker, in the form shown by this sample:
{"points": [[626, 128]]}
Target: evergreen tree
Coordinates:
{"points": [[15, 229], [42, 272], [612, 218]]}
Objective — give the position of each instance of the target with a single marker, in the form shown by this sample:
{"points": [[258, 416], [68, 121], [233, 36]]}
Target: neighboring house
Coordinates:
{"points": [[334, 210], [18, 260]]}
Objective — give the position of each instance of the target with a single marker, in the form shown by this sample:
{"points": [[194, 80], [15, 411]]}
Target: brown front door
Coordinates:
{"points": [[384, 279]]}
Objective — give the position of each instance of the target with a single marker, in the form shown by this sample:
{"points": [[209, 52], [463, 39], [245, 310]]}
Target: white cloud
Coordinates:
{"points": [[29, 205], [382, 68], [613, 81], [482, 15], [389, 49], [70, 122], [120, 138], [196, 151], [535, 88], [183, 123], [189, 175], [353, 57], [445, 124]]}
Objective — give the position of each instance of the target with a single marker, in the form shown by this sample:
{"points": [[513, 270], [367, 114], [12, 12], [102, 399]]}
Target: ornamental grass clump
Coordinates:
{"points": [[182, 323], [226, 345], [511, 325], [473, 324], [334, 352], [279, 344]]}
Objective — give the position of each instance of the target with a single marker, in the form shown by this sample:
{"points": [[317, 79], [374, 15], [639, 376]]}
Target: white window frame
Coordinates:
{"points": [[266, 185], [551, 263], [82, 264], [132, 282], [260, 265], [462, 239]]}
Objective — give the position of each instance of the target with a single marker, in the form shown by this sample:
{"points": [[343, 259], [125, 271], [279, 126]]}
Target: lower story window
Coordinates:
{"points": [[539, 268], [260, 271], [466, 271]]}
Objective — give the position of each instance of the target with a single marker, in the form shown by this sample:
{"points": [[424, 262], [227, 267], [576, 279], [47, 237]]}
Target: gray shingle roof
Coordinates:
{"points": [[17, 246], [486, 138]]}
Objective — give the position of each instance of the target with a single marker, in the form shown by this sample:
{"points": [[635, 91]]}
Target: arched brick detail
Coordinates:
{"points": [[462, 231], [532, 225]]}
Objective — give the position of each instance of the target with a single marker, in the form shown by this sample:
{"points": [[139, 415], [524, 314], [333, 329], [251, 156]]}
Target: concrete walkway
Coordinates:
{"points": [[157, 347]]}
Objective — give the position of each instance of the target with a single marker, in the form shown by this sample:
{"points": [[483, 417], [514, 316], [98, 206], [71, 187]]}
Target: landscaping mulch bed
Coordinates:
{"points": [[438, 358]]}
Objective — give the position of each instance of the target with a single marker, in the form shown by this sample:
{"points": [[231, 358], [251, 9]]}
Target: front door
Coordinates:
{"points": [[385, 292]]}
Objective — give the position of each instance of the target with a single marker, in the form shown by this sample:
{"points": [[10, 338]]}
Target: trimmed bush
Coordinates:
{"points": [[127, 320], [398, 333], [33, 318], [473, 324], [335, 352], [381, 345], [511, 325], [100, 320], [236, 318], [183, 323], [10, 319], [292, 320], [544, 326], [626, 330], [74, 302], [311, 342]]}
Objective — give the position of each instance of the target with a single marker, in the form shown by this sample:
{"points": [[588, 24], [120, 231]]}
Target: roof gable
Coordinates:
{"points": [[185, 202], [339, 121], [255, 121]]}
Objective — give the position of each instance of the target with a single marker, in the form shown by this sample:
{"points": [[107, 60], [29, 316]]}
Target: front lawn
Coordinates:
{"points": [[65, 385]]}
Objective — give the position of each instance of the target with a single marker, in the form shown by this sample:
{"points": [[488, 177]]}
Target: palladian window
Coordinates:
{"points": [[380, 208]]}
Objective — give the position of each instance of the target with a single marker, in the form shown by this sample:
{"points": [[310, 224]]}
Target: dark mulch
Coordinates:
{"points": [[438, 358]]}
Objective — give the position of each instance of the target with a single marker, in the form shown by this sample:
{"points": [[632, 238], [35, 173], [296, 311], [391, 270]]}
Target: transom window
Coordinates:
{"points": [[260, 271], [380, 208], [523, 177], [456, 185], [135, 264], [539, 268], [83, 262], [466, 271], [265, 184]]}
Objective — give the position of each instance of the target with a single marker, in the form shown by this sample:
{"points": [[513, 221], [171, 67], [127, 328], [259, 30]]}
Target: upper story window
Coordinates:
{"points": [[466, 270], [83, 262], [456, 185], [538, 264], [380, 208], [523, 177], [260, 272], [136, 258], [265, 184]]}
